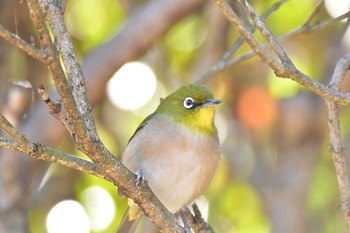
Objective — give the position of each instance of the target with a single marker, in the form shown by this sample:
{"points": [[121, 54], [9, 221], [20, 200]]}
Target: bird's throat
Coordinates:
{"points": [[202, 121]]}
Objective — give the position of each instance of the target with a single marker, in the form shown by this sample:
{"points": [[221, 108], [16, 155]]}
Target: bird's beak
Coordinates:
{"points": [[211, 102]]}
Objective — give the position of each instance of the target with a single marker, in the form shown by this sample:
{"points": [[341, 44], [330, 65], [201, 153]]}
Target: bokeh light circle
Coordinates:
{"points": [[69, 217], [100, 207], [337, 8], [132, 86]]}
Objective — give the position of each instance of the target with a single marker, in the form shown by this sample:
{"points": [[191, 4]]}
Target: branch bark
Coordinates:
{"points": [[22, 45], [127, 42], [74, 99], [285, 67], [335, 140], [74, 94]]}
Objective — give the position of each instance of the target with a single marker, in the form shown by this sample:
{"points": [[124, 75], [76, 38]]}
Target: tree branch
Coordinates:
{"points": [[196, 221], [270, 38], [240, 40], [172, 11], [52, 155], [75, 102], [21, 140], [56, 110], [224, 62], [248, 36], [284, 69], [335, 140], [22, 45]]}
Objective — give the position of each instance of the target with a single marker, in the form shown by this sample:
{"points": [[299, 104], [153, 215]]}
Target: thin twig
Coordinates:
{"points": [[44, 35], [52, 155], [306, 28], [22, 45], [196, 221], [249, 38], [240, 40], [286, 69], [270, 38], [16, 135], [313, 13], [223, 62], [53, 62], [56, 110]]}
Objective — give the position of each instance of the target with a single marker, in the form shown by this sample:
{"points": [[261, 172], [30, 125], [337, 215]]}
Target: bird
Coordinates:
{"points": [[176, 149]]}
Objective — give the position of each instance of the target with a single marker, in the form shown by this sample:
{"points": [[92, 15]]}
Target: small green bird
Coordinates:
{"points": [[176, 148]]}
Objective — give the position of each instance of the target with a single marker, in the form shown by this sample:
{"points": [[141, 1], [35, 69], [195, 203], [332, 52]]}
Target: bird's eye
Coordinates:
{"points": [[188, 103]]}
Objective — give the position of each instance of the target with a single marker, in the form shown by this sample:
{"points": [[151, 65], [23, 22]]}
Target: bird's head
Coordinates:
{"points": [[193, 106]]}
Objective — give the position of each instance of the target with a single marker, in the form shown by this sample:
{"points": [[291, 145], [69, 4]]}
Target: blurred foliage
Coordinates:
{"points": [[104, 18], [251, 93]]}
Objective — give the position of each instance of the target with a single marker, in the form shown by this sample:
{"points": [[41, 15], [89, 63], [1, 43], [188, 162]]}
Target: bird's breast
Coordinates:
{"points": [[177, 163]]}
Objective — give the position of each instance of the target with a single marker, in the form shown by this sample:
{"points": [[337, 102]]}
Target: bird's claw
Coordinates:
{"points": [[184, 221], [139, 178]]}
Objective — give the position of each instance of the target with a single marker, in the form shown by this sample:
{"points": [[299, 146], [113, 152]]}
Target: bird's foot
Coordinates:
{"points": [[184, 221], [139, 178]]}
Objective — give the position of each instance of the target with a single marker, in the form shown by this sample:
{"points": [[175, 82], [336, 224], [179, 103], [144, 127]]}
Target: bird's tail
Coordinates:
{"points": [[128, 225]]}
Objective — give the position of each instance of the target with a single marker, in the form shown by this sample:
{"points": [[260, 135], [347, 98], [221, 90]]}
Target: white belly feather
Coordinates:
{"points": [[177, 162]]}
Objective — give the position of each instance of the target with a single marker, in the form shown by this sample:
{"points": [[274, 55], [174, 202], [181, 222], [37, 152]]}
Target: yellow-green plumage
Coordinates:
{"points": [[197, 119], [176, 148]]}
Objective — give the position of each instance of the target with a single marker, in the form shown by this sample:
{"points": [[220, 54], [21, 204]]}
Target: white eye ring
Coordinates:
{"points": [[188, 103]]}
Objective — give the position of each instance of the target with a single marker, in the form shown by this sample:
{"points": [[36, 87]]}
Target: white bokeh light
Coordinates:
{"points": [[100, 207], [337, 8], [69, 217], [132, 86]]}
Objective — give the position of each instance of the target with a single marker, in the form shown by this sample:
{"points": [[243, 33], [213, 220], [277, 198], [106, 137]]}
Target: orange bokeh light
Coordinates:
{"points": [[256, 108]]}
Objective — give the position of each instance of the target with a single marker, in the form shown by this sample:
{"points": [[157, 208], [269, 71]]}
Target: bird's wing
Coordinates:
{"points": [[141, 126]]}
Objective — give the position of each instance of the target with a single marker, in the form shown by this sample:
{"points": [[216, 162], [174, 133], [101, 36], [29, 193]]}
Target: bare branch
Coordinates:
{"points": [[331, 93], [342, 66], [44, 35], [248, 36], [16, 135], [49, 154], [22, 45], [240, 40], [222, 64], [335, 140], [56, 110], [285, 69], [196, 221], [314, 13], [75, 102], [270, 38], [224, 61], [9, 144]]}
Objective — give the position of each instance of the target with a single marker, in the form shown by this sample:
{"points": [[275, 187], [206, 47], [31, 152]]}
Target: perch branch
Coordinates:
{"points": [[196, 221], [74, 100]]}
